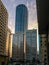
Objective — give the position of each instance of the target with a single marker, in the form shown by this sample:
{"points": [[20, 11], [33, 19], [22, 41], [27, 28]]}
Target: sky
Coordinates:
{"points": [[11, 9]]}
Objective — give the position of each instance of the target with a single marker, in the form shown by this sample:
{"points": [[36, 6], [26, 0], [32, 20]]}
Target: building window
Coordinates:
{"points": [[41, 44], [40, 40], [45, 50], [45, 63], [45, 44], [45, 55], [45, 59]]}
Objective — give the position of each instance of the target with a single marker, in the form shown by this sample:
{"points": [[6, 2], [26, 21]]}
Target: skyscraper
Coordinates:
{"points": [[21, 21], [18, 46], [21, 24], [31, 44], [43, 25], [3, 33]]}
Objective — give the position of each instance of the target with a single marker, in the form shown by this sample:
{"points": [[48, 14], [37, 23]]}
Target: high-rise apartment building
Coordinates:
{"points": [[31, 44], [3, 32], [21, 19]]}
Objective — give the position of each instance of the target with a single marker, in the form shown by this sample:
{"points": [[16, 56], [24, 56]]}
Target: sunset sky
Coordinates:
{"points": [[11, 8]]}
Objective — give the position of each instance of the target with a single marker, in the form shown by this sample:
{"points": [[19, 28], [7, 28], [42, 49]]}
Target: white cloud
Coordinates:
{"points": [[32, 18], [11, 22], [11, 26], [12, 0], [33, 24], [14, 5]]}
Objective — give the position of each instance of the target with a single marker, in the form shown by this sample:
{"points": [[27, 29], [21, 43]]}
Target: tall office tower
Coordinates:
{"points": [[31, 44], [21, 24], [3, 33], [43, 25], [21, 21], [18, 46]]}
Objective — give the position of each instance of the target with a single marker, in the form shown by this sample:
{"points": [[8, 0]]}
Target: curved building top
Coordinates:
{"points": [[21, 20]]}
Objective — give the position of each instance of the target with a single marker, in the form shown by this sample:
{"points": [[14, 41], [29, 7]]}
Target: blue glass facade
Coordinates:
{"points": [[18, 46], [31, 44], [21, 18]]}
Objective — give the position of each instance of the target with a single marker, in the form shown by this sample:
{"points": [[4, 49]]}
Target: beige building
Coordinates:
{"points": [[43, 49], [9, 44], [3, 33]]}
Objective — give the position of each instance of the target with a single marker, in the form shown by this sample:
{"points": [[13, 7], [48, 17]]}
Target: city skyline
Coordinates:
{"points": [[32, 14], [11, 8], [24, 32]]}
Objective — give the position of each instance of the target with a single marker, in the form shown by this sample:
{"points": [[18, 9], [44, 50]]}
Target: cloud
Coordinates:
{"points": [[11, 22], [33, 25], [32, 18], [32, 9], [12, 0], [11, 26], [14, 5]]}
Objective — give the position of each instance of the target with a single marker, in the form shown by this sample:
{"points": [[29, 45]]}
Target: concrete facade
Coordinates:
{"points": [[43, 23], [3, 33], [43, 50]]}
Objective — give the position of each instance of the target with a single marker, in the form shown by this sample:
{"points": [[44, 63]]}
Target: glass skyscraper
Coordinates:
{"points": [[18, 46], [31, 44], [21, 21]]}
